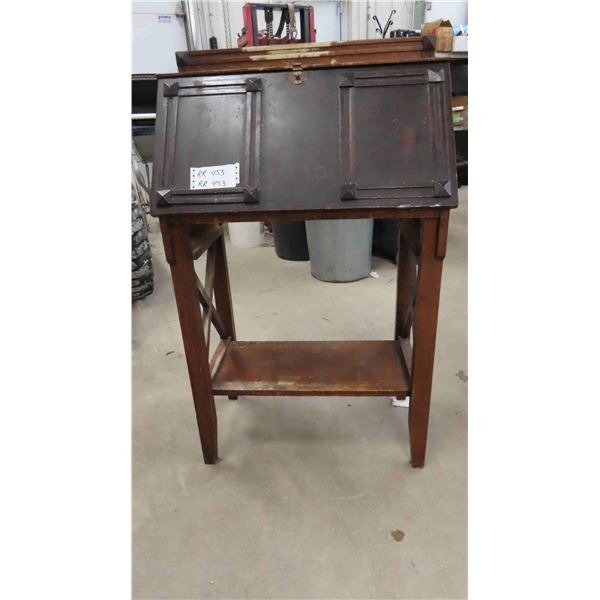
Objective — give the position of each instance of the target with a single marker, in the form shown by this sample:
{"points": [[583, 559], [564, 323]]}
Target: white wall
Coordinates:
{"points": [[327, 20], [454, 10], [157, 33]]}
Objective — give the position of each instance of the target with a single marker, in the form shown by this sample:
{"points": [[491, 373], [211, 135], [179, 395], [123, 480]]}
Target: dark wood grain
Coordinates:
{"points": [[218, 355], [223, 296], [346, 368], [202, 238], [207, 305], [356, 157], [209, 280], [320, 55], [347, 212], [222, 289], [424, 334], [357, 151], [196, 351], [442, 237], [406, 280]]}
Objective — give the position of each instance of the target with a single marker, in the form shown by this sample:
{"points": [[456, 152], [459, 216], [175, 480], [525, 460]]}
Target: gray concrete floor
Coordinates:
{"points": [[309, 490]]}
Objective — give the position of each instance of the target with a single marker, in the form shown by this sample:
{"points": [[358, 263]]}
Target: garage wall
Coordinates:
{"points": [[335, 19], [158, 31], [159, 27], [223, 19], [327, 20], [357, 17]]}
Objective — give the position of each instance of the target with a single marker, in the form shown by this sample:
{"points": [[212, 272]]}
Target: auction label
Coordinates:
{"points": [[211, 178]]}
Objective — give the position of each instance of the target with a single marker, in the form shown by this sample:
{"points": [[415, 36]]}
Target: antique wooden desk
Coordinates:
{"points": [[319, 131]]}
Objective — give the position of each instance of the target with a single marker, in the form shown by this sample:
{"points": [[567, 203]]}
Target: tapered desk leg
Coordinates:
{"points": [[223, 299], [432, 251], [178, 252]]}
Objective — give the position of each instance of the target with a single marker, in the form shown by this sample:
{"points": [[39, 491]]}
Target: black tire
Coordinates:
{"points": [[142, 273]]}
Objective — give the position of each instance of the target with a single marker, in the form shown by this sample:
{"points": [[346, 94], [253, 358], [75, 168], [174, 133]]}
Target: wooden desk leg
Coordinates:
{"points": [[179, 254], [224, 303], [433, 249]]}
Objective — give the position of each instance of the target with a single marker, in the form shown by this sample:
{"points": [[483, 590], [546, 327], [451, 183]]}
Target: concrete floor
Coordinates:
{"points": [[312, 494]]}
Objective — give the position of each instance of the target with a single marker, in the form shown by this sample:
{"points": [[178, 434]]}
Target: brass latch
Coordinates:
{"points": [[297, 75]]}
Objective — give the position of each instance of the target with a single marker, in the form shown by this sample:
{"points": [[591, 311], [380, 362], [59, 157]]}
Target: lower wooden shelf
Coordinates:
{"points": [[356, 368]]}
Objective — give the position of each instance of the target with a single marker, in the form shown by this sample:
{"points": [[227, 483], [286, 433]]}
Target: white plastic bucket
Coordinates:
{"points": [[246, 235]]}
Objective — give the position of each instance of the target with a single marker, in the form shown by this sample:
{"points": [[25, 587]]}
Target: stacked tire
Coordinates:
{"points": [[142, 273]]}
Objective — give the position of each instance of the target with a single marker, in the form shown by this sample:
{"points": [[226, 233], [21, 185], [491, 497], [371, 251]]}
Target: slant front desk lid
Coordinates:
{"points": [[368, 128]]}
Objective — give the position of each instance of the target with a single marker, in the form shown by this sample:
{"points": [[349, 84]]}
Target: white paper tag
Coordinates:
{"points": [[219, 176]]}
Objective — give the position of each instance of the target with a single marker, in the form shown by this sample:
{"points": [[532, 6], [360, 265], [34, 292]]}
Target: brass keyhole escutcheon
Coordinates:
{"points": [[297, 77]]}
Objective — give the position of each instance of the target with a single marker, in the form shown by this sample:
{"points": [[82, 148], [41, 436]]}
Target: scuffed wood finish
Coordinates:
{"points": [[442, 237], [190, 319], [406, 279], [348, 368], [222, 289], [305, 56], [380, 146], [206, 302], [218, 356], [358, 151], [202, 237], [434, 234], [340, 368], [350, 212]]}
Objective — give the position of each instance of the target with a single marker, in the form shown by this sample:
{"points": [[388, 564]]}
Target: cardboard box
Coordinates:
{"points": [[444, 34]]}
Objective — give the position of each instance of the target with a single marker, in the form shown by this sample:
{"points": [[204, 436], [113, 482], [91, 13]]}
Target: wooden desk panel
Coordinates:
{"points": [[351, 138]]}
